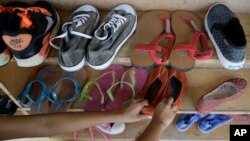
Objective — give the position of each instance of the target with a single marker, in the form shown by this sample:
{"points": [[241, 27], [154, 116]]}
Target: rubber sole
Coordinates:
{"points": [[74, 68], [224, 62], [38, 59], [5, 57], [109, 62]]}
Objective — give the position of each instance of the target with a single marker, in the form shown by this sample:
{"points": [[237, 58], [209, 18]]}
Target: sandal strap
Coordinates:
{"points": [[26, 94], [154, 47], [53, 97], [197, 54], [85, 94]]}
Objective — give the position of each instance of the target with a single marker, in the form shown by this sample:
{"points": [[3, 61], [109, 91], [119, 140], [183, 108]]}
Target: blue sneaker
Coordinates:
{"points": [[227, 36]]}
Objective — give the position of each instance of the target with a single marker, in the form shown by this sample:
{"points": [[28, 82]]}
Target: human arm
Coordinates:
{"points": [[57, 123], [164, 114]]}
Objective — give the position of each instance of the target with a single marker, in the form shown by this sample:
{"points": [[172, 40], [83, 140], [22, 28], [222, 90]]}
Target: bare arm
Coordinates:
{"points": [[162, 118], [51, 124]]}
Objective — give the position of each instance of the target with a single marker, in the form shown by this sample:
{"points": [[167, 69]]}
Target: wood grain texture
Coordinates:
{"points": [[123, 57], [240, 6]]}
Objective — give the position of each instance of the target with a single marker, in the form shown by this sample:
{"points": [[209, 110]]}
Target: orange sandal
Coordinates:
{"points": [[153, 89], [155, 49], [191, 44], [177, 85]]}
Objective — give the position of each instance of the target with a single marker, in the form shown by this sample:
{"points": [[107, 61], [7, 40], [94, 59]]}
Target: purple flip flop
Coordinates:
{"points": [[98, 95], [128, 88]]}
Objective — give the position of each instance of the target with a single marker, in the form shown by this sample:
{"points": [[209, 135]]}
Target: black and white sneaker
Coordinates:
{"points": [[28, 32], [227, 36]]}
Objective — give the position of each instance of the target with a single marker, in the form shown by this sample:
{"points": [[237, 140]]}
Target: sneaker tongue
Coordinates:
{"points": [[25, 22]]}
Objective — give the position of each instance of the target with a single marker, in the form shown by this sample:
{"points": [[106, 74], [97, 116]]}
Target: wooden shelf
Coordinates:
{"points": [[200, 82], [205, 76], [123, 57]]}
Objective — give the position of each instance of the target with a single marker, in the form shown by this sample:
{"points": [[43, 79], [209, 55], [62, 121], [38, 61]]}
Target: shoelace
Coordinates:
{"points": [[24, 13], [115, 23], [78, 20]]}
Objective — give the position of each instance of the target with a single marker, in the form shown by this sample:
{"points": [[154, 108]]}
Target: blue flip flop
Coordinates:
{"points": [[187, 120], [212, 122], [28, 100]]}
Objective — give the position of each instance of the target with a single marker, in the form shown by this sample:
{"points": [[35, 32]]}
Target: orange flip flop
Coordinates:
{"points": [[153, 40], [191, 42], [177, 86], [154, 88]]}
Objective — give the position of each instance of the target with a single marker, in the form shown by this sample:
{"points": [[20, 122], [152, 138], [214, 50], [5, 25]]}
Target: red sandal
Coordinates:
{"points": [[186, 49], [154, 49]]}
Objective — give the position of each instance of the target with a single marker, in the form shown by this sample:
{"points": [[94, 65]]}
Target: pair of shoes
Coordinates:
{"points": [[83, 40], [228, 91], [111, 90], [48, 86], [25, 32], [7, 106], [157, 44], [163, 83], [207, 123], [227, 35]]}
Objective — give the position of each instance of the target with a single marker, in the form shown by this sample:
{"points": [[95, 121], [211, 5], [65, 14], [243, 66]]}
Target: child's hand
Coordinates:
{"points": [[131, 111], [164, 112]]}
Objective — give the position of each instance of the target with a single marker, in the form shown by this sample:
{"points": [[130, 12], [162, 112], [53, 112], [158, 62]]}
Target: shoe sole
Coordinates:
{"points": [[225, 63], [5, 57], [43, 53], [109, 62], [82, 62]]}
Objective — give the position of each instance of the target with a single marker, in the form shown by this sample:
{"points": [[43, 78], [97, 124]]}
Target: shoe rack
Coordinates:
{"points": [[205, 76]]}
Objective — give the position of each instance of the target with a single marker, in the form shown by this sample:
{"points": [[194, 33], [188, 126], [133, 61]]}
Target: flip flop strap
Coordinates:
{"points": [[26, 93], [131, 74], [109, 91], [154, 47], [85, 94], [53, 97], [197, 54]]}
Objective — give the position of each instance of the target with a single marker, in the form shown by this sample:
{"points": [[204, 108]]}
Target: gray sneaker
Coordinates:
{"points": [[115, 30], [227, 36], [75, 38]]}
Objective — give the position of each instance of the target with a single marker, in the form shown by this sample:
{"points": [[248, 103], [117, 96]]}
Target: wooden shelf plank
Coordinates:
{"points": [[200, 82], [123, 57], [144, 5]]}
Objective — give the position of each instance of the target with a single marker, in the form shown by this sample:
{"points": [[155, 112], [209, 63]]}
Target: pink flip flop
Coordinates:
{"points": [[227, 91], [98, 95], [130, 85]]}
